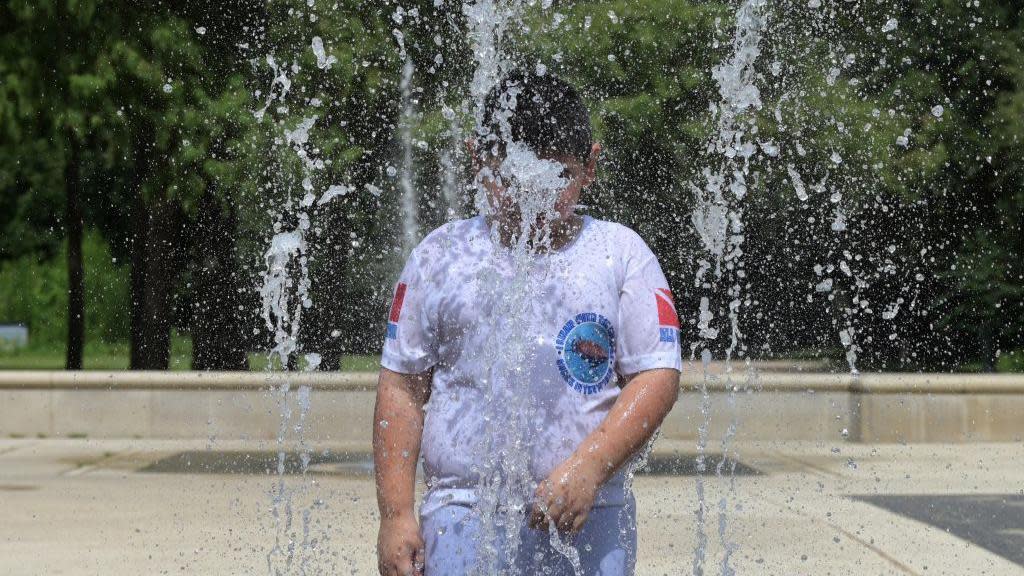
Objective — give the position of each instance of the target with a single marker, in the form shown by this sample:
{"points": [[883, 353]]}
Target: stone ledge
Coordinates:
{"points": [[796, 406], [186, 380], [692, 379]]}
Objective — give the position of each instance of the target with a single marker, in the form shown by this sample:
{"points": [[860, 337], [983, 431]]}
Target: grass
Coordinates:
{"points": [[1012, 361], [97, 356], [258, 361], [53, 359], [106, 356]]}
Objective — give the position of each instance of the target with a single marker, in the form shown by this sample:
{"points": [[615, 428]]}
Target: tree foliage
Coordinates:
{"points": [[903, 124]]}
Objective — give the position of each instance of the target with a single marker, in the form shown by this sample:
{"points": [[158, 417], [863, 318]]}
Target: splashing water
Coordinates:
{"points": [[505, 489], [410, 206], [703, 430], [721, 218], [718, 220], [286, 294], [449, 165], [505, 484], [285, 248], [283, 302]]}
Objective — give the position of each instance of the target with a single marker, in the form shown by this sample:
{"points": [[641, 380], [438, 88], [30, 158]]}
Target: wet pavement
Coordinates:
{"points": [[190, 507]]}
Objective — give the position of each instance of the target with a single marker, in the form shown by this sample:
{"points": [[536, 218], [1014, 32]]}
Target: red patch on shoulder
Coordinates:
{"points": [[396, 304], [666, 308]]}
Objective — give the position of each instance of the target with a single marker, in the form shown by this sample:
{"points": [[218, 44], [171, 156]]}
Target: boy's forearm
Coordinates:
{"points": [[631, 422], [397, 432]]}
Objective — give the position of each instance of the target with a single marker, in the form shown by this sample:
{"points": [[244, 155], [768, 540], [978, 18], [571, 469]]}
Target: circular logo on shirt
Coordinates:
{"points": [[586, 352]]}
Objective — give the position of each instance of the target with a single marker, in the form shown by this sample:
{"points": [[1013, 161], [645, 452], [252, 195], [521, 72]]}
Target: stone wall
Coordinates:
{"points": [[776, 406]]}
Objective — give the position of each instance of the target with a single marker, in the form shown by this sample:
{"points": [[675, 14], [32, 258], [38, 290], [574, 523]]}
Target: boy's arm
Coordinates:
{"points": [[569, 490], [397, 431], [638, 411]]}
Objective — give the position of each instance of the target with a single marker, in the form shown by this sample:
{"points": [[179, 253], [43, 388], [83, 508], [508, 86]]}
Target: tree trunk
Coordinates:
{"points": [[154, 240], [217, 324], [988, 346], [137, 321], [324, 324], [153, 276], [76, 280], [159, 286]]}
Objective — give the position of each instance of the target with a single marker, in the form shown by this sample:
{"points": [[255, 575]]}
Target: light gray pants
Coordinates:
{"points": [[606, 544]]}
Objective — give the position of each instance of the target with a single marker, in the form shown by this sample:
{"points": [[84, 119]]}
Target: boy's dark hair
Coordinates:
{"points": [[542, 111]]}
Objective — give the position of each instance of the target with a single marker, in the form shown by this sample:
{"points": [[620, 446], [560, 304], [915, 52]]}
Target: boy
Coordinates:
{"points": [[547, 345]]}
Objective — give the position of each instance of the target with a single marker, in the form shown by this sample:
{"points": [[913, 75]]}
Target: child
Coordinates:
{"points": [[547, 345]]}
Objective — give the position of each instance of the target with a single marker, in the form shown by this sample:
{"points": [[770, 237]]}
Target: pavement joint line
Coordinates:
{"points": [[8, 450], [813, 468], [878, 551], [881, 553], [97, 464], [79, 471]]}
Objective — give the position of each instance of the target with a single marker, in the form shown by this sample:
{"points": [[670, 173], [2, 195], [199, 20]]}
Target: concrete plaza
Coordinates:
{"points": [[119, 506]]}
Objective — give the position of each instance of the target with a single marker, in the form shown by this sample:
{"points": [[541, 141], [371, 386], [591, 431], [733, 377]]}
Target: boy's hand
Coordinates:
{"points": [[566, 496], [400, 548]]}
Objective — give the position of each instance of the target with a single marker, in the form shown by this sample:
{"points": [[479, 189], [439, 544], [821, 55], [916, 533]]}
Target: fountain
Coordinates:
{"points": [[831, 187], [737, 161], [409, 201], [505, 486], [718, 219]]}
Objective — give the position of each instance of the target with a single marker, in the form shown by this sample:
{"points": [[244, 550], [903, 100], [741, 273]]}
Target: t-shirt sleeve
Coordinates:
{"points": [[409, 345], [648, 335]]}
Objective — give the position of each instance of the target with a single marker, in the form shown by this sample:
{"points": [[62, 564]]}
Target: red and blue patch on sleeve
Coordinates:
{"points": [[668, 320], [396, 311]]}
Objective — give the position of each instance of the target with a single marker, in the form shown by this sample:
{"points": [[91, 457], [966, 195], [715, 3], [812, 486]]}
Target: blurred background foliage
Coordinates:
{"points": [[142, 169]]}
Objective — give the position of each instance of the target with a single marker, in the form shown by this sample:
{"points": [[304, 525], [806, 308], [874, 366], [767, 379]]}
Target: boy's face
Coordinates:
{"points": [[506, 193]]}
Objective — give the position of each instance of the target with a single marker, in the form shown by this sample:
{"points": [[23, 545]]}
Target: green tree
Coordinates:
{"points": [[49, 115], [177, 114]]}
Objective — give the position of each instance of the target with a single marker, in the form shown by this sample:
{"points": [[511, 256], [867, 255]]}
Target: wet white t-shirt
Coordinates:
{"points": [[546, 336]]}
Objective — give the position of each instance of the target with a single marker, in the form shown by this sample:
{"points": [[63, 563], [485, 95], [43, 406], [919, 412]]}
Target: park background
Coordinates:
{"points": [[138, 187], [151, 151]]}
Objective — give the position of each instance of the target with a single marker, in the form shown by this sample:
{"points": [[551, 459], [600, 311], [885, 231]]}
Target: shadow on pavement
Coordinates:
{"points": [[994, 522]]}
